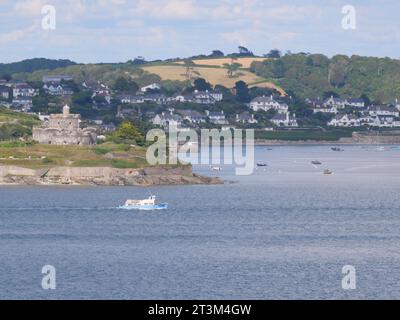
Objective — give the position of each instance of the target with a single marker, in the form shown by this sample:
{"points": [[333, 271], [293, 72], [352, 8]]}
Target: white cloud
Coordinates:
{"points": [[29, 7]]}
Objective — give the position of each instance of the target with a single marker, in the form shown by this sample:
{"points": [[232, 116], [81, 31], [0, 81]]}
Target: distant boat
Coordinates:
{"points": [[260, 164], [216, 168], [146, 204], [327, 172], [316, 162], [336, 149]]}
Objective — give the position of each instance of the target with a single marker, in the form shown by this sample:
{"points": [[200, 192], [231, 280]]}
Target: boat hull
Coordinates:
{"points": [[161, 206]]}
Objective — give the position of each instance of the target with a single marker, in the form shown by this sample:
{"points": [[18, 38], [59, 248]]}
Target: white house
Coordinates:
{"points": [[246, 117], [23, 90], [345, 120], [355, 103], [375, 111], [284, 120], [153, 86], [217, 117], [131, 99], [167, 120], [4, 92], [267, 103], [25, 103], [335, 102], [55, 89], [192, 116]]}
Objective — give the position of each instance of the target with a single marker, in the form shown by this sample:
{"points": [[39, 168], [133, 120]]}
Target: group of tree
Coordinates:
{"points": [[310, 75]]}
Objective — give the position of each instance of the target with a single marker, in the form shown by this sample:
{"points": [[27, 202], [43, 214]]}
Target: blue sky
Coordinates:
{"points": [[119, 30]]}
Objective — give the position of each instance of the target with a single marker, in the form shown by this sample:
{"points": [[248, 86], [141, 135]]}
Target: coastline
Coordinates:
{"points": [[355, 139], [102, 176]]}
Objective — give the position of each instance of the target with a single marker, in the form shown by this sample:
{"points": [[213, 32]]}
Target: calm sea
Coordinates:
{"points": [[284, 232]]}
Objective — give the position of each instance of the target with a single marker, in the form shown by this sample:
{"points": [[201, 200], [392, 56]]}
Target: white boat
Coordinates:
{"points": [[146, 204]]}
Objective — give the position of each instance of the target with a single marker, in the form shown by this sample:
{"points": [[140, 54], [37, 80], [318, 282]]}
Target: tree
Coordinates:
{"points": [[273, 54], [201, 84], [232, 68], [126, 85], [365, 98], [217, 53], [328, 94], [242, 92], [189, 65], [128, 133], [244, 52], [6, 77]]}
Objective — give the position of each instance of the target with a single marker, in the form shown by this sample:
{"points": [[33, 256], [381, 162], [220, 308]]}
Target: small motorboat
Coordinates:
{"points": [[146, 204], [316, 162], [328, 172], [337, 149], [262, 164]]}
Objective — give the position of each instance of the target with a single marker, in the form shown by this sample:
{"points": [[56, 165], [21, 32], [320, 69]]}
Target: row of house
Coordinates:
{"points": [[199, 97], [383, 116], [333, 105], [264, 103]]}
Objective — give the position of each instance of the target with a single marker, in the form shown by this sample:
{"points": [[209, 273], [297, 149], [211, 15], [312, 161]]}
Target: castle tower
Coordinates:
{"points": [[66, 110]]}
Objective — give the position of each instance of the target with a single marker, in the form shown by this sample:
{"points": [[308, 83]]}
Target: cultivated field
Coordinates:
{"points": [[219, 62], [213, 75]]}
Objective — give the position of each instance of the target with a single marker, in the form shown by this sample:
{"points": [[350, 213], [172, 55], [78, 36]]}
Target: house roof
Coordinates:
{"points": [[382, 108], [170, 117], [264, 99], [190, 113], [349, 116], [215, 114], [244, 116], [355, 100]]}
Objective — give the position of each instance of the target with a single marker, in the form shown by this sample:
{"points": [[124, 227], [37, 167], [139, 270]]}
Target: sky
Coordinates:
{"points": [[92, 31]]}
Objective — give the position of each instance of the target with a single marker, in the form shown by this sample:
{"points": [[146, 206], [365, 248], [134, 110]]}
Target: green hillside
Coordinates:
{"points": [[315, 74], [15, 124], [106, 73], [31, 65]]}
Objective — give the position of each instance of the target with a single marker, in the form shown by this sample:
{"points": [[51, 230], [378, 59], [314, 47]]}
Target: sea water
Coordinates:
{"points": [[284, 232]]}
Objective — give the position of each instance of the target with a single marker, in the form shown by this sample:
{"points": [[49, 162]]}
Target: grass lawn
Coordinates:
{"points": [[104, 155]]}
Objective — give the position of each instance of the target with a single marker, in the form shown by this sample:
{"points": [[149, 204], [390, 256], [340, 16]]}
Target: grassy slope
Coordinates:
{"points": [[212, 73], [15, 124], [41, 156]]}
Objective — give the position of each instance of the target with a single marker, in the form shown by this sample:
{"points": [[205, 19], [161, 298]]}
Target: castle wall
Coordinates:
{"points": [[53, 136]]}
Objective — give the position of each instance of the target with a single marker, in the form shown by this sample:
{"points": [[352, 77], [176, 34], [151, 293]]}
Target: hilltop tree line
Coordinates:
{"points": [[312, 75]]}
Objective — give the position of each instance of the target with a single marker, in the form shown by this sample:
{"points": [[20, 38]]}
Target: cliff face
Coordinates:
{"points": [[102, 176]]}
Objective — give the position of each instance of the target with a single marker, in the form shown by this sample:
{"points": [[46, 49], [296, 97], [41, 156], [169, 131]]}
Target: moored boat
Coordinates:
{"points": [[261, 164], [146, 204], [328, 172]]}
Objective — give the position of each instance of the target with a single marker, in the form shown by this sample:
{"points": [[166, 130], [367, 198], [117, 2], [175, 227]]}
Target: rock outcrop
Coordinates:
{"points": [[102, 176]]}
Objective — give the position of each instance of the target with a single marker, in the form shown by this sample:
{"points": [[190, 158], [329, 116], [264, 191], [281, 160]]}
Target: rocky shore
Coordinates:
{"points": [[103, 176]]}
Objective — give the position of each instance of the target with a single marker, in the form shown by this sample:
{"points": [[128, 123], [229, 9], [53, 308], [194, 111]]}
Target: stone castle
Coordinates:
{"points": [[64, 129]]}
